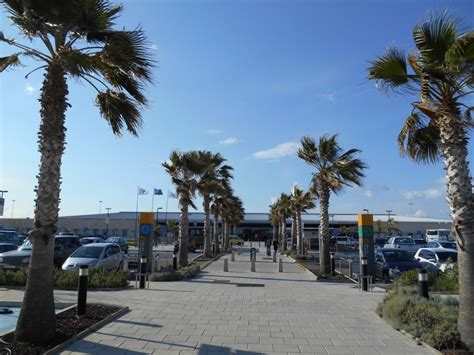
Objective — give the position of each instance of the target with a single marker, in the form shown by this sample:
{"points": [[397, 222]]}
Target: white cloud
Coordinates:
{"points": [[228, 141], [29, 89], [441, 181], [420, 213], [279, 151], [368, 193], [214, 131], [428, 193]]}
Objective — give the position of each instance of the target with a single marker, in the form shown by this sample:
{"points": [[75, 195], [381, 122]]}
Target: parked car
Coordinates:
{"points": [[104, 255], [121, 241], [21, 238], [343, 240], [5, 247], [404, 243], [392, 262], [379, 242], [234, 240], [90, 240], [437, 259], [63, 247], [9, 237], [446, 244]]}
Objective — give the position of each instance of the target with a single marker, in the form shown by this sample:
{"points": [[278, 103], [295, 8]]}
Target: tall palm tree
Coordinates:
{"points": [[216, 207], [72, 39], [301, 201], [274, 219], [334, 170], [184, 169], [215, 176], [284, 211], [391, 227], [440, 72]]}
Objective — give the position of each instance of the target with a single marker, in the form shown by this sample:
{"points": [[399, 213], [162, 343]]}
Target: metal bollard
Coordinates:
{"points": [[252, 262], [363, 273], [232, 256], [226, 265], [333, 264], [142, 272], [82, 290], [423, 283], [350, 268], [274, 256], [175, 262], [280, 265], [240, 250]]}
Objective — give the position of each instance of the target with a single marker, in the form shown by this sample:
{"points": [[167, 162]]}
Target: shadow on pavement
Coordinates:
{"points": [[131, 322], [88, 347], [206, 349], [246, 277]]}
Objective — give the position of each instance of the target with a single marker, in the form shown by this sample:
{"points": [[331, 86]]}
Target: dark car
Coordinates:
{"points": [[63, 247], [5, 247], [121, 241], [391, 262], [10, 237]]}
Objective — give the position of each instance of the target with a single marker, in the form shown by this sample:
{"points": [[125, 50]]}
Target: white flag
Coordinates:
{"points": [[172, 194], [142, 191]]}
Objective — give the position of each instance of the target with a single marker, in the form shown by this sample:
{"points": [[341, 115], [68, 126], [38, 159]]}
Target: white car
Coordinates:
{"points": [[104, 255], [437, 259], [444, 244], [344, 240]]}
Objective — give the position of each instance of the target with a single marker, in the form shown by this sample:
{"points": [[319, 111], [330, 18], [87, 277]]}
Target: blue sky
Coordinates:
{"points": [[247, 79]]}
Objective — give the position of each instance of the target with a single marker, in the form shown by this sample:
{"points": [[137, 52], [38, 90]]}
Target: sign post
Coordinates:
{"points": [[145, 246], [365, 223]]}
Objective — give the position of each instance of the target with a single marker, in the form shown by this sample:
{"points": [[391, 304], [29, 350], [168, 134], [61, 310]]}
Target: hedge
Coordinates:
{"points": [[168, 274], [447, 281], [98, 278]]}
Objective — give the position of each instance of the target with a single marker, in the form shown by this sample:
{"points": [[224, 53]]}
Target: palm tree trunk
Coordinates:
{"points": [[275, 231], [216, 233], [299, 233], [294, 227], [324, 255], [283, 234], [37, 319], [183, 234], [460, 198], [207, 229]]}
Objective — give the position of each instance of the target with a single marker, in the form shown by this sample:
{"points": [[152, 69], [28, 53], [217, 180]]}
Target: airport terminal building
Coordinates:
{"points": [[255, 226]]}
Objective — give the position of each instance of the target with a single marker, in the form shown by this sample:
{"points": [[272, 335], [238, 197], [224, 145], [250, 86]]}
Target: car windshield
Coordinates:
{"points": [[450, 245], [404, 240], [432, 232], [87, 252], [86, 241], [444, 256], [444, 233], [113, 240], [26, 245], [397, 256]]}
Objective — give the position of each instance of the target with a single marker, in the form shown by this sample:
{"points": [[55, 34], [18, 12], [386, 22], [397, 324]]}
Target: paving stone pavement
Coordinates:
{"points": [[243, 312]]}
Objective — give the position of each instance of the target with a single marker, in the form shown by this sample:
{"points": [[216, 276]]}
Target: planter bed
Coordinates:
{"points": [[69, 329]]}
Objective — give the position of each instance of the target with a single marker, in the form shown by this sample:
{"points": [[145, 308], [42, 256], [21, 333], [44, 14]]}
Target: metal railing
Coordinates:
{"points": [[347, 267]]}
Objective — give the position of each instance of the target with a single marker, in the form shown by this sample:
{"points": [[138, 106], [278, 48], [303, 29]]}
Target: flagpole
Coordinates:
{"points": [[136, 219], [153, 201]]}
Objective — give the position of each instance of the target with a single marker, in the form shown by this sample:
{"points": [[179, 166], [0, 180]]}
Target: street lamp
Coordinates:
{"points": [[2, 201], [366, 210], [100, 206], [388, 211], [107, 222], [411, 208]]}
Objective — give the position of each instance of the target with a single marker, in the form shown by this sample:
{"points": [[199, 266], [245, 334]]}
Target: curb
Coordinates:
{"points": [[423, 344], [302, 267], [87, 331], [209, 262]]}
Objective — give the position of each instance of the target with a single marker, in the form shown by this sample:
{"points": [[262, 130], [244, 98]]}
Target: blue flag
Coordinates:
{"points": [[157, 192]]}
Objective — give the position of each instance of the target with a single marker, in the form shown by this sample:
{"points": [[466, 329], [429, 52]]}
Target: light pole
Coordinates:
{"points": [[13, 206], [100, 206], [107, 222], [388, 211], [158, 224], [2, 201], [411, 208], [366, 210]]}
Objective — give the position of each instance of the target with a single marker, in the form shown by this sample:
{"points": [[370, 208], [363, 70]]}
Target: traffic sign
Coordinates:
{"points": [[145, 229]]}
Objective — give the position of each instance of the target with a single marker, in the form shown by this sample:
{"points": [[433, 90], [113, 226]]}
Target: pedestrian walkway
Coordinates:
{"points": [[244, 312]]}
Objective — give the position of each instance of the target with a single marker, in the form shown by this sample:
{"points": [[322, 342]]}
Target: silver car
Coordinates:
{"points": [[104, 255]]}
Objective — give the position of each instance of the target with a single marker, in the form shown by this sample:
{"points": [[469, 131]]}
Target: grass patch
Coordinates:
{"points": [[296, 256], [98, 278], [168, 274]]}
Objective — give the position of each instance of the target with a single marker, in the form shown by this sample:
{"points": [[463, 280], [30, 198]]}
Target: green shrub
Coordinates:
{"points": [[98, 278], [446, 281], [432, 320], [168, 274]]}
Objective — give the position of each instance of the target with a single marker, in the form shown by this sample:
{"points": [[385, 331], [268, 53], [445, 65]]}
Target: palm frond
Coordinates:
{"points": [[434, 37], [390, 70], [461, 51], [119, 111], [9, 62]]}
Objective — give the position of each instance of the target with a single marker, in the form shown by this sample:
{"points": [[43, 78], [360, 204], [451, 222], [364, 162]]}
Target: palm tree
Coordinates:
{"points": [[334, 170], [274, 219], [440, 72], [379, 227], [301, 201], [184, 169], [391, 227], [215, 176], [216, 207], [74, 39], [172, 227], [283, 211]]}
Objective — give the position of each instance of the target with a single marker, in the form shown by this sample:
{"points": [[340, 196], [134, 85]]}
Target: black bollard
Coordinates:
{"points": [[363, 273], [333, 264], [142, 272], [175, 262], [423, 283], [82, 290]]}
